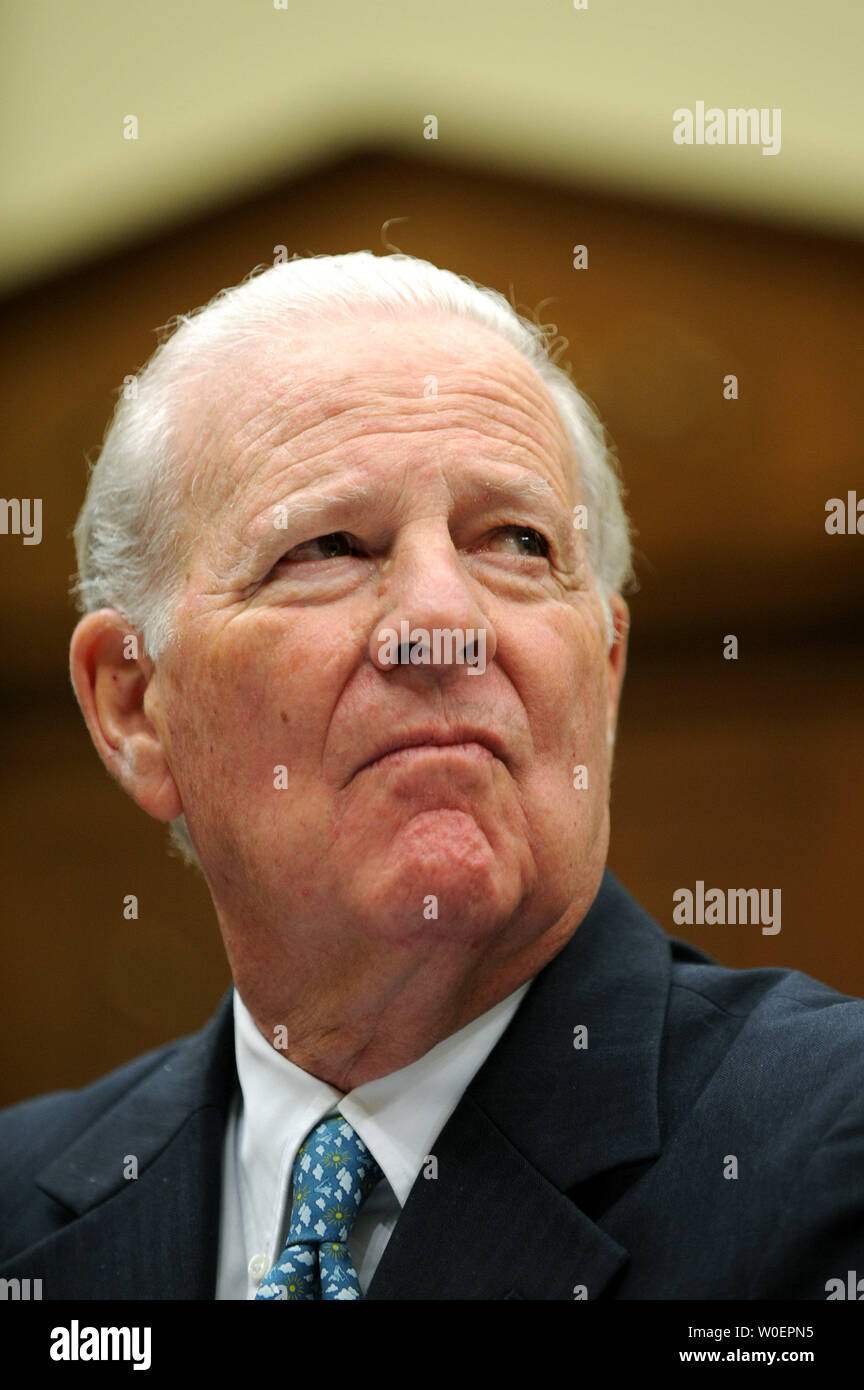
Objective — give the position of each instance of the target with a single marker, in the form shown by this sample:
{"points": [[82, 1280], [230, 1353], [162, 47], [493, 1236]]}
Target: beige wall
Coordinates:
{"points": [[231, 94]]}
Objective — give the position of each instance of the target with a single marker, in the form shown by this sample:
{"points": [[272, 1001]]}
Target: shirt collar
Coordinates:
{"points": [[397, 1116]]}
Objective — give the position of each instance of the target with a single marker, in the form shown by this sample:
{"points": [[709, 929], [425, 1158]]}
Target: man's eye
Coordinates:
{"points": [[330, 547], [524, 536]]}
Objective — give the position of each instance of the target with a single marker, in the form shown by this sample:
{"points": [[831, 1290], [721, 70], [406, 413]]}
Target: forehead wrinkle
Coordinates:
{"points": [[357, 426], [255, 436], [365, 492], [346, 396], [354, 455], [326, 390], [279, 423]]}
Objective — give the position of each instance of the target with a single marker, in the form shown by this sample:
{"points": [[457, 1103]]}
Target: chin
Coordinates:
{"points": [[434, 900], [440, 874]]}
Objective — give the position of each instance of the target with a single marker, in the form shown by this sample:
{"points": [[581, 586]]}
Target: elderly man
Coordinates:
{"points": [[351, 566]]}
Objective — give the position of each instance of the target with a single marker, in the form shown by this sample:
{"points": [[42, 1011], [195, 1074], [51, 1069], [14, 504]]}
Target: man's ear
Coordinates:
{"points": [[111, 672], [617, 658]]}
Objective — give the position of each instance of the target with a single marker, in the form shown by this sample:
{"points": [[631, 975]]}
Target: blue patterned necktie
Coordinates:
{"points": [[334, 1173]]}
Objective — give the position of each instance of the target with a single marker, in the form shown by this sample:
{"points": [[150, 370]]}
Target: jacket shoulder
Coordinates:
{"points": [[58, 1152], [763, 998], [780, 1036], [32, 1132]]}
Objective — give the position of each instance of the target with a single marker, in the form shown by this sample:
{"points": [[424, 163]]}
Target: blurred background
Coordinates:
{"points": [[153, 155]]}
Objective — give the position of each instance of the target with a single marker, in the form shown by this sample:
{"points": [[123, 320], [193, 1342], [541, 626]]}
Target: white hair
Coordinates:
{"points": [[129, 538]]}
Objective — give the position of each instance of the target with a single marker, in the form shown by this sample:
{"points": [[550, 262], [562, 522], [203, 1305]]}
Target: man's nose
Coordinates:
{"points": [[432, 617]]}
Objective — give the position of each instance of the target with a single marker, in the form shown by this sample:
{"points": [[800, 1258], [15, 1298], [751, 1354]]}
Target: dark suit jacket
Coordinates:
{"points": [[607, 1168]]}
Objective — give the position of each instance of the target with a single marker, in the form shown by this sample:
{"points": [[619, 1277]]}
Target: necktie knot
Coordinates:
{"points": [[334, 1173]]}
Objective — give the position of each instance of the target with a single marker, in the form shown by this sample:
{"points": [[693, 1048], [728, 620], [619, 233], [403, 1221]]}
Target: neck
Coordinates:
{"points": [[388, 1009]]}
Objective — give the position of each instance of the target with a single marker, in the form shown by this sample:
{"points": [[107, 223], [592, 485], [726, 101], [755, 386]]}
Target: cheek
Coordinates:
{"points": [[204, 704], [247, 703], [563, 688]]}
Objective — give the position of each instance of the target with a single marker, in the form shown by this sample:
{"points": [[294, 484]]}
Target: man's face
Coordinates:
{"points": [[378, 472]]}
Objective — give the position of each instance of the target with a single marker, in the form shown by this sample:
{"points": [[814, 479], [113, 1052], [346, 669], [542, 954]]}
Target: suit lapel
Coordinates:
{"points": [[490, 1226], [135, 1235], [546, 1133]]}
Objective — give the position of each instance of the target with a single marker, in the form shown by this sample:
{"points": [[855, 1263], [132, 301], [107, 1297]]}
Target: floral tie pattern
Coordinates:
{"points": [[334, 1173]]}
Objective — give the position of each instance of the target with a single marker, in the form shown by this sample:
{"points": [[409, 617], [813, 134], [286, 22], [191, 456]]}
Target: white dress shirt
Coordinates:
{"points": [[398, 1117]]}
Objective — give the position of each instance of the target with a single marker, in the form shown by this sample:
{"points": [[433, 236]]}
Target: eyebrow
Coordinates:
{"points": [[360, 494], [526, 488]]}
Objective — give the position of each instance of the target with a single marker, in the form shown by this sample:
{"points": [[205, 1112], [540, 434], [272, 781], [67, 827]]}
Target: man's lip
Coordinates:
{"points": [[439, 739]]}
